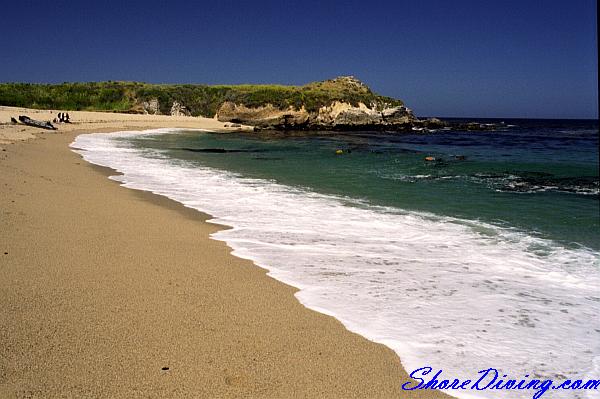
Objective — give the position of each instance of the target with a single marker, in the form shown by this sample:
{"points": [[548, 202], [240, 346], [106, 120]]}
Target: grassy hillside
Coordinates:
{"points": [[199, 99]]}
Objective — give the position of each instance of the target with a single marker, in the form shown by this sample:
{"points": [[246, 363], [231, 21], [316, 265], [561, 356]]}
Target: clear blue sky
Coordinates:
{"points": [[509, 58]]}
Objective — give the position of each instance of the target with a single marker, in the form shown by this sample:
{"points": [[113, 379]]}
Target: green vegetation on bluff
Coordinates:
{"points": [[200, 100]]}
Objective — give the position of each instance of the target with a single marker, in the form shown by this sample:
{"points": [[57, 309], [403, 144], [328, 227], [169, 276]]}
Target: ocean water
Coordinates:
{"points": [[487, 257]]}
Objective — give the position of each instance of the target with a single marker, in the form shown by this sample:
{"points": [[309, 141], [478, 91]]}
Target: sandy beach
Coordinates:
{"points": [[114, 293], [99, 121]]}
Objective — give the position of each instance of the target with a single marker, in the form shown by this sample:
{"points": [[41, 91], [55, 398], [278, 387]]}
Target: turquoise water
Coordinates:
{"points": [[486, 257], [536, 176]]}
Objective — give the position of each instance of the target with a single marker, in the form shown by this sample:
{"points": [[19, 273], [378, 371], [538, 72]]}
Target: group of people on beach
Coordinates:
{"points": [[63, 117]]}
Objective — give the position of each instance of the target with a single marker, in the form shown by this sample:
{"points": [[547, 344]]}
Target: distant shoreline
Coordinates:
{"points": [[96, 121]]}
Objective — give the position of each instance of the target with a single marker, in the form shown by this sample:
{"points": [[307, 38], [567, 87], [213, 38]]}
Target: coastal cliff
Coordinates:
{"points": [[346, 109], [341, 103], [336, 115]]}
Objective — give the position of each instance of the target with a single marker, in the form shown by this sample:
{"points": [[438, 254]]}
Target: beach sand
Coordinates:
{"points": [[99, 121], [102, 288]]}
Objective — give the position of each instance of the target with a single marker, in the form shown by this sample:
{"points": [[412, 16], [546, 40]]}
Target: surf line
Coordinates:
{"points": [[489, 379]]}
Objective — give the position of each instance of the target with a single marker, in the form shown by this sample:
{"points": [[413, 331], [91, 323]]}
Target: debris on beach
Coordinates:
{"points": [[32, 122]]}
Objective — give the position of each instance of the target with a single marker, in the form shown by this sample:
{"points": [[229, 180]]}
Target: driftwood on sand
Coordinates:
{"points": [[32, 122]]}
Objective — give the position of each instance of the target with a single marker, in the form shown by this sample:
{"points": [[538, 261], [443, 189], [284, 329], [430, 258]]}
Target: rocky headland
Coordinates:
{"points": [[343, 103], [352, 105]]}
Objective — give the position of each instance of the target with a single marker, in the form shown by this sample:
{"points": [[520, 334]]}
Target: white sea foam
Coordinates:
{"points": [[456, 295]]}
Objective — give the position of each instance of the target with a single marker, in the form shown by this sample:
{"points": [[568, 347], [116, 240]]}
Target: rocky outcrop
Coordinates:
{"points": [[337, 115], [179, 110], [434, 123], [265, 117], [344, 114], [151, 107], [341, 103], [398, 116]]}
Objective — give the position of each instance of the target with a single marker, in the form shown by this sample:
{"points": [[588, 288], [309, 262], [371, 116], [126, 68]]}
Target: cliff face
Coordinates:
{"points": [[337, 115]]}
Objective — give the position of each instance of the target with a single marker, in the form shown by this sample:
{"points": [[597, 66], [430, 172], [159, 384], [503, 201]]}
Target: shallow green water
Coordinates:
{"points": [[537, 176]]}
